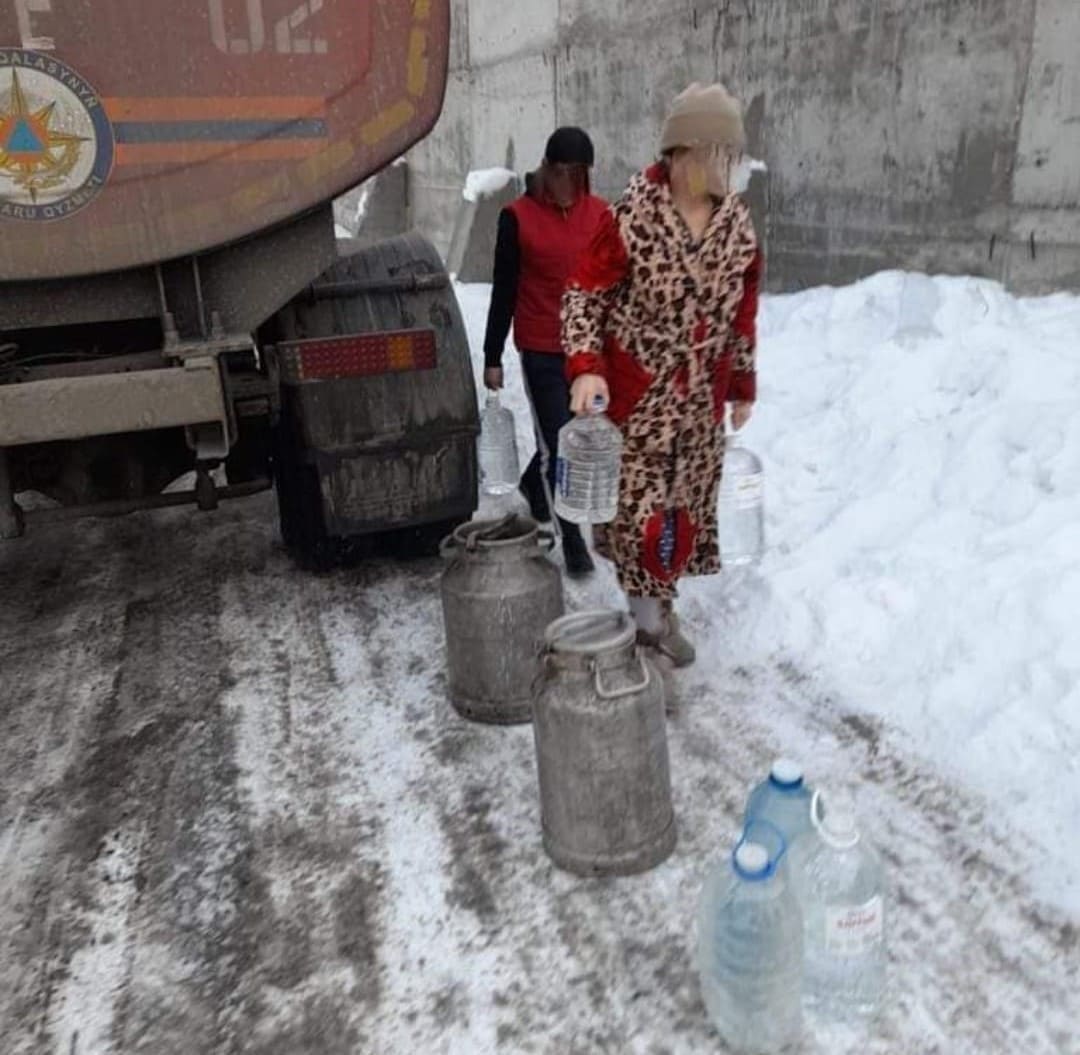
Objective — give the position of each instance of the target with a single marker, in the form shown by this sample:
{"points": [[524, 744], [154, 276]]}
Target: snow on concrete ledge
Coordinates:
{"points": [[486, 183]]}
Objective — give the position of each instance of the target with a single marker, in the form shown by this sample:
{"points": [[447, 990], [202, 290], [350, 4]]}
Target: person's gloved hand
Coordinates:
{"points": [[585, 390], [740, 414], [493, 378]]}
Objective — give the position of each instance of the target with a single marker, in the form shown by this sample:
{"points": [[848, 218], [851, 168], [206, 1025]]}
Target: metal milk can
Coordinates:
{"points": [[601, 747], [499, 593]]}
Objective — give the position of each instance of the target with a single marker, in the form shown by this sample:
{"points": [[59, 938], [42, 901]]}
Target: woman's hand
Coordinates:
{"points": [[584, 392], [740, 414], [493, 378]]}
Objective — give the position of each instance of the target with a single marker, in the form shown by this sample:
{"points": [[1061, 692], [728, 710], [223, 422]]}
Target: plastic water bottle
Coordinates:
{"points": [[497, 450], [840, 885], [742, 508], [587, 469], [750, 952], [783, 800]]}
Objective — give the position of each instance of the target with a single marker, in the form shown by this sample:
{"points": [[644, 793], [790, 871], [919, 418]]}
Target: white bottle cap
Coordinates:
{"points": [[787, 772], [752, 859]]}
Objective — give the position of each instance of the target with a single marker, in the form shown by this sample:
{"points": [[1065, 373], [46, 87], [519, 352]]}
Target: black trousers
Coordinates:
{"points": [[549, 393]]}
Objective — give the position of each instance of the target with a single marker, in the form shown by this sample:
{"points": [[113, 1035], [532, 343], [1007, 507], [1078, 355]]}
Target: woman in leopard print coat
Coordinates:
{"points": [[659, 320]]}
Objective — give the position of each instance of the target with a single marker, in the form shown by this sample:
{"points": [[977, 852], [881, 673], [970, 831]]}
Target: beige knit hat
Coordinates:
{"points": [[702, 116]]}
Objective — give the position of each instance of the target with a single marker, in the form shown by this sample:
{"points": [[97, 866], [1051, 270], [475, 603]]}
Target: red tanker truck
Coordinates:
{"points": [[173, 299]]}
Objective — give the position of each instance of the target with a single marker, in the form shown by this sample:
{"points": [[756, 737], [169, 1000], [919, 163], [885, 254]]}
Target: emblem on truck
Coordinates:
{"points": [[56, 142]]}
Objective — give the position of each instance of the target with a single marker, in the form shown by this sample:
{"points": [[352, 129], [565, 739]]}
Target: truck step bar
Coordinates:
{"points": [[125, 506]]}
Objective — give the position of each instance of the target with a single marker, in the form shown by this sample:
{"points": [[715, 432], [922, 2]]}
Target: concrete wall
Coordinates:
{"points": [[942, 135]]}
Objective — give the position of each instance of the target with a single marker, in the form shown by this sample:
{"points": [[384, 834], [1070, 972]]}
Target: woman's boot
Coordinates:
{"points": [[669, 640]]}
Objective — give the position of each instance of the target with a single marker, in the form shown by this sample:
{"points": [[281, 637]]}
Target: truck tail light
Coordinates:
{"points": [[357, 355]]}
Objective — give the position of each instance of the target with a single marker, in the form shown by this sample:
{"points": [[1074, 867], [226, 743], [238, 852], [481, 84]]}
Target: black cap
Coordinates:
{"points": [[569, 146]]}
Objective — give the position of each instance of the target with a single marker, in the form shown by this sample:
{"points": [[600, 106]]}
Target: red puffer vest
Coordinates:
{"points": [[551, 240]]}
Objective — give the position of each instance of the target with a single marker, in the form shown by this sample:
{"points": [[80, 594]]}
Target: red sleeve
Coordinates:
{"points": [[742, 340], [745, 324], [589, 293]]}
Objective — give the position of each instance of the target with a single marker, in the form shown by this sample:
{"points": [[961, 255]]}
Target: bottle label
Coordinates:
{"points": [[854, 930], [562, 477], [746, 491]]}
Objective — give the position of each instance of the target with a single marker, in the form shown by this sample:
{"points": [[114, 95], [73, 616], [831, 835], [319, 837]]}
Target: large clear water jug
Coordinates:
{"points": [[783, 799], [497, 449], [839, 882], [750, 952], [742, 505], [587, 469]]}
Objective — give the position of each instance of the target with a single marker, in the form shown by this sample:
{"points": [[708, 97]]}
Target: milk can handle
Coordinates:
{"points": [[543, 673], [447, 547], [618, 694]]}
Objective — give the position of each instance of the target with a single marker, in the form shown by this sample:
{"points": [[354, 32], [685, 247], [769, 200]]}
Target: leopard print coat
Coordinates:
{"points": [[671, 326]]}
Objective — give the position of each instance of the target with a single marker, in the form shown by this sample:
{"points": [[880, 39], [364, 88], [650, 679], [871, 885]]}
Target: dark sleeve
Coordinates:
{"points": [[504, 288]]}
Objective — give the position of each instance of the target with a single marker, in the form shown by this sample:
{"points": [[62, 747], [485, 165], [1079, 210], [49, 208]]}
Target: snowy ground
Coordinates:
{"points": [[238, 815]]}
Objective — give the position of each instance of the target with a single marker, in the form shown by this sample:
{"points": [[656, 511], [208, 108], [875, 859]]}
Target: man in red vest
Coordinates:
{"points": [[540, 237]]}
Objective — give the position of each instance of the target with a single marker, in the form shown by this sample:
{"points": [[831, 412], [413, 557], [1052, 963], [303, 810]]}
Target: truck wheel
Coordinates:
{"points": [[300, 509]]}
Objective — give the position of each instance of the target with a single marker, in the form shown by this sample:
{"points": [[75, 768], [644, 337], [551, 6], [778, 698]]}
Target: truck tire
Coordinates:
{"points": [[300, 507]]}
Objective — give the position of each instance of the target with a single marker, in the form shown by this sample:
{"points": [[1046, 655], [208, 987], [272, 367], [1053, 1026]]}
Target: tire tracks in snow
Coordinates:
{"points": [[140, 917], [317, 833], [60, 640]]}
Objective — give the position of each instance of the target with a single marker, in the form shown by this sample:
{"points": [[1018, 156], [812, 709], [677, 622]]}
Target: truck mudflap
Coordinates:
{"points": [[379, 412], [426, 479]]}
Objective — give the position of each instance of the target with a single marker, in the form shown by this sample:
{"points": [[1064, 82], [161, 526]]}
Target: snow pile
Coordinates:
{"points": [[484, 183], [921, 441]]}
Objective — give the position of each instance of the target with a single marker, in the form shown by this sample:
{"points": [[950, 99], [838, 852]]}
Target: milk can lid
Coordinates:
{"points": [[589, 633]]}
